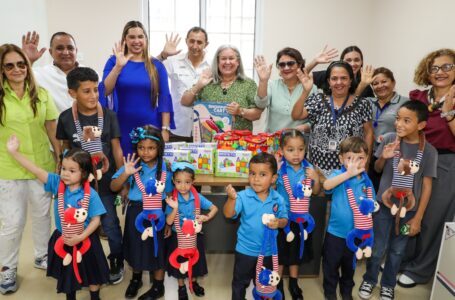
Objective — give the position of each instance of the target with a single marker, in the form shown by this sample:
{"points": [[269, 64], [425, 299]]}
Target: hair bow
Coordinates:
{"points": [[139, 133], [181, 165]]}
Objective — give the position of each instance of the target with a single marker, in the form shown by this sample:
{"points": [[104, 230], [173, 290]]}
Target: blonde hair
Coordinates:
{"points": [[422, 73], [149, 66], [29, 79]]}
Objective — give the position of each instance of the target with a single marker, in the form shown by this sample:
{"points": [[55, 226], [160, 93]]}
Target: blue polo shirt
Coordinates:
{"points": [[186, 207], [294, 177], [73, 198], [341, 220], [145, 173], [250, 209]]}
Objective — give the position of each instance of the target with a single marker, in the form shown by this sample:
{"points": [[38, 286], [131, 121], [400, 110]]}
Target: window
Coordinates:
{"points": [[226, 21]]}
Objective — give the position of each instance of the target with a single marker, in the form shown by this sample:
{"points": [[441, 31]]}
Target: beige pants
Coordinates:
{"points": [[15, 196]]}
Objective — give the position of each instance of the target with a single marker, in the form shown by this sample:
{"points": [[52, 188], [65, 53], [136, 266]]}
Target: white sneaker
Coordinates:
{"points": [[366, 290], [41, 262], [405, 281], [8, 283], [387, 293]]}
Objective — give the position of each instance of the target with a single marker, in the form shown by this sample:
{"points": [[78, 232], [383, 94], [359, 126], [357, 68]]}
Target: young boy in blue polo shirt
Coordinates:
{"points": [[250, 205], [336, 254]]}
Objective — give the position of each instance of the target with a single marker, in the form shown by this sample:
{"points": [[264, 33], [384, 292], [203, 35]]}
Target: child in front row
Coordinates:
{"points": [[407, 143], [336, 254], [73, 123], [250, 205], [75, 255], [143, 245], [293, 170], [187, 203]]}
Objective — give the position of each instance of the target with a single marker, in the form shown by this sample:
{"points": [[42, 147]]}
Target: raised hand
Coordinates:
{"points": [[119, 52], [231, 192], [130, 164], [389, 150], [170, 48], [354, 167], [326, 55], [205, 78], [367, 74], [449, 101], [263, 70], [12, 145], [306, 79], [172, 203], [30, 43]]}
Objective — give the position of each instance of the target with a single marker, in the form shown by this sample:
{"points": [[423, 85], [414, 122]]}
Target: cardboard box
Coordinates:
{"points": [[171, 155], [174, 145], [202, 159], [232, 163]]}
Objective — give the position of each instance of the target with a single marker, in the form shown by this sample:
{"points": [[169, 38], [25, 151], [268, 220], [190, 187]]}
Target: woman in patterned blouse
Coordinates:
{"points": [[334, 115], [226, 82]]}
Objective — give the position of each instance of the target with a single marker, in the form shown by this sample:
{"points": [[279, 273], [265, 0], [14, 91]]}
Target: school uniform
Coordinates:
{"points": [[249, 208], [186, 211], [138, 253], [93, 268]]}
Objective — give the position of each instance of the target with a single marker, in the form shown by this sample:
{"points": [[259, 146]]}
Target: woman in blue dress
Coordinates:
{"points": [[138, 85]]}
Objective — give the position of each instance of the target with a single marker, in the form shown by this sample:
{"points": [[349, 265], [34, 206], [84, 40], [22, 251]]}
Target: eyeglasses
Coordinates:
{"points": [[20, 65], [444, 68], [284, 64]]}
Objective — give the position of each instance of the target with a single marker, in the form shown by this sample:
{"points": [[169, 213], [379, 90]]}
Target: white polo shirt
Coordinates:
{"points": [[182, 76], [53, 79]]}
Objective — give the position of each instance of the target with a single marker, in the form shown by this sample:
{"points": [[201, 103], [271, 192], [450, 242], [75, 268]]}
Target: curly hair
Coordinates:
{"points": [[422, 73]]}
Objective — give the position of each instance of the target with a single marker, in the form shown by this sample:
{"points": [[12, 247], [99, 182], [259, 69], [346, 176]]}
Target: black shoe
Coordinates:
{"points": [[133, 288], [183, 294], [154, 293], [296, 293], [116, 270], [198, 290]]}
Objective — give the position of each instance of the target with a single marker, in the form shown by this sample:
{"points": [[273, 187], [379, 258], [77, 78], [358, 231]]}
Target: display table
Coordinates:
{"points": [[220, 234]]}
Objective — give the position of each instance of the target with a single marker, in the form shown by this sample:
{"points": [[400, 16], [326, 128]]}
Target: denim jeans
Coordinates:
{"points": [[386, 242], [111, 226]]}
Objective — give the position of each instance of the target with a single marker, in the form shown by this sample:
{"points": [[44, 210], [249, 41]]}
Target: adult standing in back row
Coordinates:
{"points": [[139, 86]]}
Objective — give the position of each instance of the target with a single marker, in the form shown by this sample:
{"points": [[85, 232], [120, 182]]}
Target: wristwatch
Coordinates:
{"points": [[166, 128]]}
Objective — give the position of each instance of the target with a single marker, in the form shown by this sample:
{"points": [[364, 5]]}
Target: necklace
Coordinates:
{"points": [[226, 85]]}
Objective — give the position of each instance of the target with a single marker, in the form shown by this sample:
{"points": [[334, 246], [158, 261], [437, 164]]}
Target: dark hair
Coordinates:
{"points": [[83, 159], [197, 29], [149, 66], [294, 53], [386, 72], [351, 49], [420, 109], [155, 132], [353, 144], [80, 74], [265, 158], [59, 33], [186, 170], [29, 79], [328, 73], [290, 133]]}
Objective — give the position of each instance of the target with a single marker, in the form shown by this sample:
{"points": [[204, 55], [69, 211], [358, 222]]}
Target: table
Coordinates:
{"points": [[220, 234]]}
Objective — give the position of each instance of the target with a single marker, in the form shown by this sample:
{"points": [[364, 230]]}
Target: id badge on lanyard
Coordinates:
{"points": [[333, 143]]}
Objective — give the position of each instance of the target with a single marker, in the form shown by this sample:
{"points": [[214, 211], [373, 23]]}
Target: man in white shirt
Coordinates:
{"points": [[184, 71], [52, 77]]}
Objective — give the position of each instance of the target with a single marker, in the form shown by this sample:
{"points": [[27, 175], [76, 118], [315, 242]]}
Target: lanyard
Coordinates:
{"points": [[379, 112], [338, 113]]}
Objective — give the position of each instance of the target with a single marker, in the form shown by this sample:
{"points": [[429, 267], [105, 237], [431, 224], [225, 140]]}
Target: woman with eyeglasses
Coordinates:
{"points": [[384, 106], [27, 111], [437, 72], [280, 95], [138, 84], [227, 82], [362, 76]]}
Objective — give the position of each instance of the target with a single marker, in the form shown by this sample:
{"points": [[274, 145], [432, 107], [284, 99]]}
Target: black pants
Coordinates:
{"points": [[336, 255], [244, 272]]}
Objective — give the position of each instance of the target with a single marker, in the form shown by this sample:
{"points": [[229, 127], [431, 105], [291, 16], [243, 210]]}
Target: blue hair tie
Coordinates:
{"points": [[181, 165], [138, 134]]}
